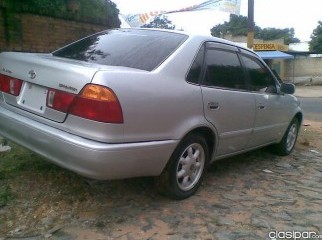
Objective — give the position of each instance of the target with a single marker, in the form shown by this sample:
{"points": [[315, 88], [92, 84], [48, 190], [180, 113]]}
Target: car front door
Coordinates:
{"points": [[227, 103], [271, 108]]}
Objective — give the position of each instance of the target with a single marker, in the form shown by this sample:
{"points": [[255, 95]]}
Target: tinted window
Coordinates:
{"points": [[195, 70], [223, 70], [141, 49], [261, 79]]}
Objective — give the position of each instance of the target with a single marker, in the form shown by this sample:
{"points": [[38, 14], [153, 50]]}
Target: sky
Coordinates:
{"points": [[301, 15]]}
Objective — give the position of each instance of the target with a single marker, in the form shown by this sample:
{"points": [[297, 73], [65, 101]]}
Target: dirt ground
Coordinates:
{"points": [[243, 197]]}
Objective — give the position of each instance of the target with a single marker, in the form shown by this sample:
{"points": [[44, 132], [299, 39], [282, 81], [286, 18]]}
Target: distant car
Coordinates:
{"points": [[139, 102]]}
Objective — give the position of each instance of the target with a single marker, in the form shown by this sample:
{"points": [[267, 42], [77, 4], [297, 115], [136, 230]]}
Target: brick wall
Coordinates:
{"points": [[33, 33]]}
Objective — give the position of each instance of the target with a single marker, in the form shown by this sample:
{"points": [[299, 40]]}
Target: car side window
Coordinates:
{"points": [[223, 69], [261, 80], [196, 67]]}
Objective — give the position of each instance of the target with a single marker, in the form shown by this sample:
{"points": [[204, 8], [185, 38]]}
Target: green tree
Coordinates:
{"points": [[160, 21], [316, 39], [237, 26], [112, 14], [275, 33]]}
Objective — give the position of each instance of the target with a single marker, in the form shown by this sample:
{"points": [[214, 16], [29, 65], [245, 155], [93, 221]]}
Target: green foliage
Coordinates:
{"points": [[160, 21], [237, 26], [316, 39], [91, 11], [112, 14], [275, 33]]}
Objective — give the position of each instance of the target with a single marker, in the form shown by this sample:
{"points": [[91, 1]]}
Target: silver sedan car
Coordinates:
{"points": [[139, 102]]}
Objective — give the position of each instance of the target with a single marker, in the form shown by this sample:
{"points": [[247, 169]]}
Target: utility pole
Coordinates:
{"points": [[251, 24]]}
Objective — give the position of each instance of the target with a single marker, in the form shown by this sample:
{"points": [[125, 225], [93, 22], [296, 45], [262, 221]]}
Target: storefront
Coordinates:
{"points": [[274, 55]]}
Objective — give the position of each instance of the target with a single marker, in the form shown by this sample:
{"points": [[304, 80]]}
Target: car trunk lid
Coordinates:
{"points": [[39, 73]]}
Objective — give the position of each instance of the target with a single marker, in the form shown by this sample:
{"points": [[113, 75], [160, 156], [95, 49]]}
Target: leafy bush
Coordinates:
{"points": [[91, 11]]}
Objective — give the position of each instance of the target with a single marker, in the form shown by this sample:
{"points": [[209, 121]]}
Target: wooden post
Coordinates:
{"points": [[251, 24]]}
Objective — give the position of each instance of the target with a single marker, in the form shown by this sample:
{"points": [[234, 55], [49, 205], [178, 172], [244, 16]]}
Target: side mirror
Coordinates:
{"points": [[287, 88]]}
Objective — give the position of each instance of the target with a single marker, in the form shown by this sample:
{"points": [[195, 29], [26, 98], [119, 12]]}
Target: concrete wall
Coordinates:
{"points": [[306, 70], [33, 33]]}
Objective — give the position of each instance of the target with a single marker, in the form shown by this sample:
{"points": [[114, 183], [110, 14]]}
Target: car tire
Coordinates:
{"points": [[184, 173], [288, 141]]}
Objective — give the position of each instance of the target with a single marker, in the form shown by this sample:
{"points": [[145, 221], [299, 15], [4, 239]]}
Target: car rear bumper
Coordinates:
{"points": [[88, 158]]}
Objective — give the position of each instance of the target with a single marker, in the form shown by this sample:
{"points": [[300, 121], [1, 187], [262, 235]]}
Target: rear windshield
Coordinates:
{"points": [[135, 48]]}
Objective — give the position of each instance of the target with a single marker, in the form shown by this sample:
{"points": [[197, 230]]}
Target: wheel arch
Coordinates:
{"points": [[299, 117], [209, 136]]}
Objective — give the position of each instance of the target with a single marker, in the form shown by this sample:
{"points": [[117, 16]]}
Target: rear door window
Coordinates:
{"points": [[134, 48], [223, 69], [196, 67]]}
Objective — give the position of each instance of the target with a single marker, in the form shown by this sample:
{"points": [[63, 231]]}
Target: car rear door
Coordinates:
{"points": [[227, 103]]}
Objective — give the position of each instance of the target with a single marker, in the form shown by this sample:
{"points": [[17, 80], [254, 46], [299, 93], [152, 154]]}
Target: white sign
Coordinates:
{"points": [[231, 6]]}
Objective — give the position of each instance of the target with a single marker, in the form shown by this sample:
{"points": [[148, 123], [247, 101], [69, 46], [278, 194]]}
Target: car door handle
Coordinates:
{"points": [[261, 107], [213, 106]]}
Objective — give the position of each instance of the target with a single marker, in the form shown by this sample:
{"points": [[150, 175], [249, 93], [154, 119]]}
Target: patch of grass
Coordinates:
{"points": [[19, 159], [5, 193], [23, 169], [16, 163]]}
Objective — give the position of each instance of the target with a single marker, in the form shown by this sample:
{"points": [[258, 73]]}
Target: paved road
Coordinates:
{"points": [[312, 108], [309, 91]]}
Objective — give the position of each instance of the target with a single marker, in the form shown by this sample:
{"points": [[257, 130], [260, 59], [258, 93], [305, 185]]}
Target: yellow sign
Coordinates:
{"points": [[270, 47]]}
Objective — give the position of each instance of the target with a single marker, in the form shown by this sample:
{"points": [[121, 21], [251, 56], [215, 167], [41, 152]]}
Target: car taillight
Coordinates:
{"points": [[59, 100], [97, 103], [94, 102], [10, 85]]}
